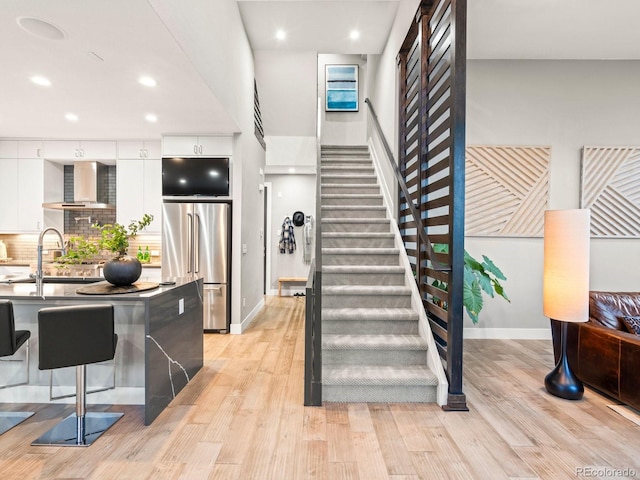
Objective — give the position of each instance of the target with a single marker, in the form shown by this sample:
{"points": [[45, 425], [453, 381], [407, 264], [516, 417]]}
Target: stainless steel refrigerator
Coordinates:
{"points": [[196, 243]]}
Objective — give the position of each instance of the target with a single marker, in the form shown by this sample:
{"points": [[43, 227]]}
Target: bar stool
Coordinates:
{"points": [[76, 336], [10, 342]]}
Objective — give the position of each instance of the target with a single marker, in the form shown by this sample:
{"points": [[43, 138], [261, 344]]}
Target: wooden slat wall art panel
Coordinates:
{"points": [[611, 189], [507, 190]]}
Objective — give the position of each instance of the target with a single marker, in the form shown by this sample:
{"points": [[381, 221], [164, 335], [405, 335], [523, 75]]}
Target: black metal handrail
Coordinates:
{"points": [[431, 255], [313, 342], [313, 304]]}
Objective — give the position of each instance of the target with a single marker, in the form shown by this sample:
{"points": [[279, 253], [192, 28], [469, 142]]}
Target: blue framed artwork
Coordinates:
{"points": [[341, 91]]}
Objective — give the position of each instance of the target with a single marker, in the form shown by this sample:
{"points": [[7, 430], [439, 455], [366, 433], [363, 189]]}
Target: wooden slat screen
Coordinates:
{"points": [[432, 89], [258, 128]]}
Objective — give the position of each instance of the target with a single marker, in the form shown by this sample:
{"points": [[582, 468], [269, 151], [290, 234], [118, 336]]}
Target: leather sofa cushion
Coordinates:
{"points": [[608, 308]]}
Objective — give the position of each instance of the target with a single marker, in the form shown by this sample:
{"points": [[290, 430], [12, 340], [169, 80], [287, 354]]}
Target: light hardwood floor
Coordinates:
{"points": [[242, 418]]}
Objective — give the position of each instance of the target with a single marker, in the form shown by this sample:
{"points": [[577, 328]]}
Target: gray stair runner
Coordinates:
{"points": [[371, 349]]}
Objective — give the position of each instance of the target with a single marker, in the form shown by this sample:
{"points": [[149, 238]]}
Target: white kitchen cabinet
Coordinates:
{"points": [[30, 149], [8, 194], [197, 146], [8, 149], [129, 191], [129, 149], [139, 191], [88, 150], [30, 199], [152, 193], [23, 191]]}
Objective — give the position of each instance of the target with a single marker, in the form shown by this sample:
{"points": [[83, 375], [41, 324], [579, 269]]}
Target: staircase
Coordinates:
{"points": [[371, 348]]}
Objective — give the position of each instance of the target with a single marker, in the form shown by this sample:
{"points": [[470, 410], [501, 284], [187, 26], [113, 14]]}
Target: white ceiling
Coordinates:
{"points": [[132, 41]]}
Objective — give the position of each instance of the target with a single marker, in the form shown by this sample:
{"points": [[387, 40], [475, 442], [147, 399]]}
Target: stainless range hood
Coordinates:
{"points": [[86, 189]]}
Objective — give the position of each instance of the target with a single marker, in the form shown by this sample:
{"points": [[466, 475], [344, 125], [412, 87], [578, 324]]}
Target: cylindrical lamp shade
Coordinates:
{"points": [[566, 265]]}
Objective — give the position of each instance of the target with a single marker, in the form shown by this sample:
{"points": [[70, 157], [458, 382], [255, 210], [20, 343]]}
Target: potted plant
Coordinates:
{"points": [[479, 277], [123, 269]]}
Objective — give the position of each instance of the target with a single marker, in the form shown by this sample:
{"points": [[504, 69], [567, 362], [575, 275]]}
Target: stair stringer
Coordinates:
{"points": [[434, 362]]}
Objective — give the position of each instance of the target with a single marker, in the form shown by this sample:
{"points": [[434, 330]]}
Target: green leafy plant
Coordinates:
{"points": [[78, 250], [115, 237], [479, 277]]}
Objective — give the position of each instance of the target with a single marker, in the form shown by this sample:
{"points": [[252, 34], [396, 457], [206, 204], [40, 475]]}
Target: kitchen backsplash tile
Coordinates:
{"points": [[23, 247], [78, 222]]}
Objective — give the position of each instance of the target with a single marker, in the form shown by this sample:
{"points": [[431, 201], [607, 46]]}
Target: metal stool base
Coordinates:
{"points": [[8, 420], [65, 433]]}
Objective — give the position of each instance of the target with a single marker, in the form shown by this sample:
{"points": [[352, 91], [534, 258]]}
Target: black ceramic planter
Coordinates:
{"points": [[122, 270]]}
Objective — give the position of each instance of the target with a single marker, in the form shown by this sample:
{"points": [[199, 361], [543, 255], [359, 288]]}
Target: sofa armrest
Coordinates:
{"points": [[607, 360]]}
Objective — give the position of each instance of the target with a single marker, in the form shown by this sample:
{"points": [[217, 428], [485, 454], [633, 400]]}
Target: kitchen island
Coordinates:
{"points": [[159, 332]]}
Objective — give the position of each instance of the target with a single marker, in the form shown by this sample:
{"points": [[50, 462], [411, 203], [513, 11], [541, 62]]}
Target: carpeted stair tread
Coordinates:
{"points": [[351, 196], [373, 342], [355, 220], [359, 251], [370, 314], [377, 290], [357, 235], [373, 269], [378, 375], [354, 207], [330, 176], [349, 185]]}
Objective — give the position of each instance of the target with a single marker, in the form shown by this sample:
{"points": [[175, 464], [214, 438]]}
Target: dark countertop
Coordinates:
{"points": [[59, 291]]}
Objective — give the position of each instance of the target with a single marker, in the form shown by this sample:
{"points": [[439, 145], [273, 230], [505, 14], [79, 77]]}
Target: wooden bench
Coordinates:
{"points": [[282, 280]]}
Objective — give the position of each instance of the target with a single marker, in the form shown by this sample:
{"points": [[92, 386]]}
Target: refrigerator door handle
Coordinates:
{"points": [[190, 241], [215, 289], [196, 242]]}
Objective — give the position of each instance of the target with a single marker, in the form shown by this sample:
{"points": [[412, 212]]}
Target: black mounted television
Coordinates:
{"points": [[204, 176]]}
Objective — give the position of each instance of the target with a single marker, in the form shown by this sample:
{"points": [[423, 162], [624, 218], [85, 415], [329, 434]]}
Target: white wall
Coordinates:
{"points": [[212, 36], [287, 90], [565, 104], [291, 152], [289, 193], [344, 128]]}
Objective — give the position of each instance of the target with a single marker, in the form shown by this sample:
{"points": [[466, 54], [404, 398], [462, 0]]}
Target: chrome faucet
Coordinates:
{"points": [[39, 274]]}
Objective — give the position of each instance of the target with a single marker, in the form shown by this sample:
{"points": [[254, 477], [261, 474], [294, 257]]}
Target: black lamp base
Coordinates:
{"points": [[562, 382]]}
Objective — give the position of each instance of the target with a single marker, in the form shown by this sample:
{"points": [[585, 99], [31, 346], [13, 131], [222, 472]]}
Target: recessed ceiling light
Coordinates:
{"points": [[42, 81], [72, 117], [151, 118], [41, 28], [281, 34], [147, 81], [354, 35]]}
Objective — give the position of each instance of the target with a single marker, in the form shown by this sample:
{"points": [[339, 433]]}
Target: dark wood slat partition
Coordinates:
{"points": [[436, 182]]}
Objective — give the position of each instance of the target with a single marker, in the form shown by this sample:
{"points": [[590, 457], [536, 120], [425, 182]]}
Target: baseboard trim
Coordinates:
{"points": [[508, 333], [238, 328]]}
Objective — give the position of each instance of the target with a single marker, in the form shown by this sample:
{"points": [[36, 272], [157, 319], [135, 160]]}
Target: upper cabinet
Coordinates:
{"points": [[197, 146], [139, 183], [131, 149], [88, 150], [21, 149], [8, 149], [23, 190], [30, 149]]}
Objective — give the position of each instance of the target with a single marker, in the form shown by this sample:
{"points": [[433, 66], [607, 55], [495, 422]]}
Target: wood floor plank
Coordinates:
{"points": [[394, 451], [243, 417]]}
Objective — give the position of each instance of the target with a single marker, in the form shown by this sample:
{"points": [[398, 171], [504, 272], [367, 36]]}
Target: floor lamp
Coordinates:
{"points": [[566, 288]]}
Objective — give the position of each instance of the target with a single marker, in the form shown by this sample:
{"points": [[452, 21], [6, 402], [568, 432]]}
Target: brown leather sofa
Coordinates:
{"points": [[602, 352]]}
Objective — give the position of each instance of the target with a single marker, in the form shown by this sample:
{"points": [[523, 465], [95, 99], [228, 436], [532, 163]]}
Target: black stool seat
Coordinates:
{"points": [[10, 338], [77, 336], [10, 342]]}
